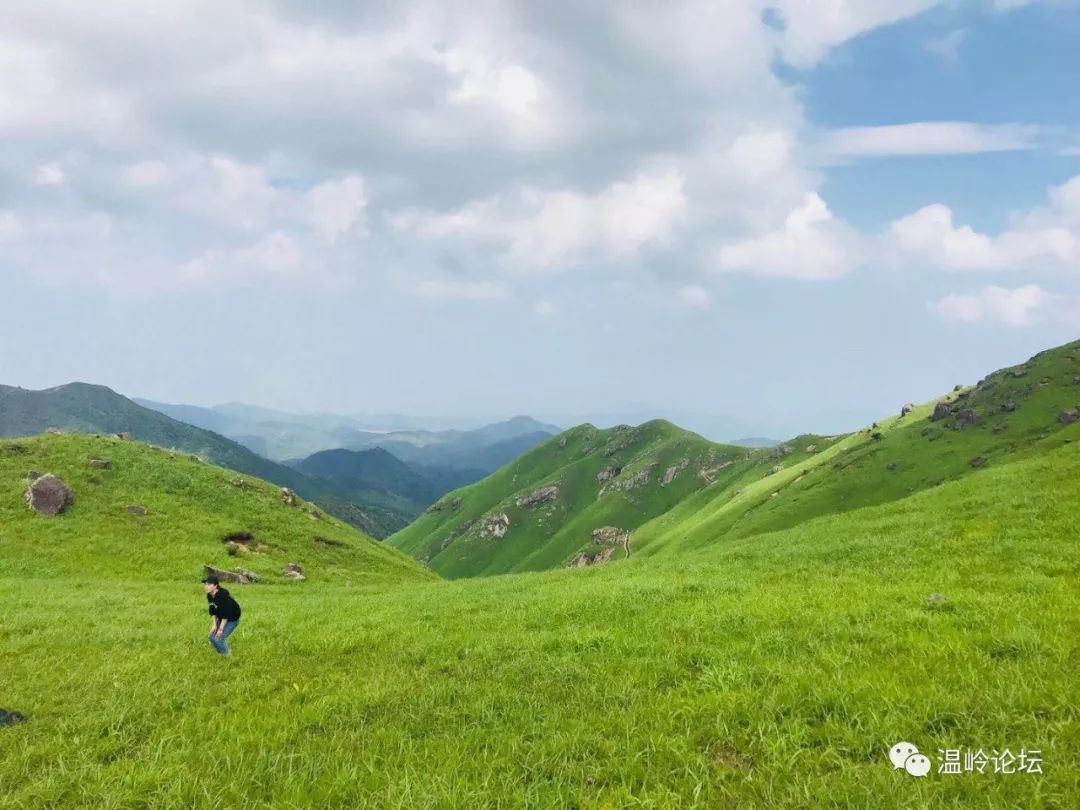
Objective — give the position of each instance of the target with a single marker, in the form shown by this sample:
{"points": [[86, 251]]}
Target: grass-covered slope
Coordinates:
{"points": [[1005, 416], [95, 409], [772, 671], [191, 508], [539, 511]]}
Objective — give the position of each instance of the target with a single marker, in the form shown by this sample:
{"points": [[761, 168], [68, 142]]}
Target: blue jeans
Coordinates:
{"points": [[219, 643]]}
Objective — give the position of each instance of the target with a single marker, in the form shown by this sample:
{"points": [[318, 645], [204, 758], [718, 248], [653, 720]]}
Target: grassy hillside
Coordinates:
{"points": [[191, 508], [95, 409], [771, 671], [600, 478], [1006, 416], [733, 492]]}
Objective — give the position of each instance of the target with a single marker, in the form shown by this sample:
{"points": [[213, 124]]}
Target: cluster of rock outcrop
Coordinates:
{"points": [[610, 539], [543, 495]]}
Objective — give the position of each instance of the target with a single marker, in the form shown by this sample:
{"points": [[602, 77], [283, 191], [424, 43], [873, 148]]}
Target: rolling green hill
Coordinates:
{"points": [[95, 409], [768, 671], [540, 511], [1005, 416], [727, 492], [191, 509]]}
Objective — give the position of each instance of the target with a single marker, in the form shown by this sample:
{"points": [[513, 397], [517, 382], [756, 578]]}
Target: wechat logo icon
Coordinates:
{"points": [[905, 755]]}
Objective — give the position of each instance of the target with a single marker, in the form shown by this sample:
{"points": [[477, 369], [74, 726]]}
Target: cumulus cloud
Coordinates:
{"points": [[277, 138], [1016, 307], [549, 228], [1048, 237], [811, 244]]}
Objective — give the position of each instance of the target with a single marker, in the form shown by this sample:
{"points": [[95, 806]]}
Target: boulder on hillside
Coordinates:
{"points": [[11, 718], [904, 411], [137, 511], [101, 463], [52, 431], [294, 572], [288, 497], [124, 437], [235, 577], [781, 450], [543, 495], [1009, 406], [239, 483], [496, 526], [777, 468], [1068, 417], [941, 411], [966, 418], [49, 496], [978, 462]]}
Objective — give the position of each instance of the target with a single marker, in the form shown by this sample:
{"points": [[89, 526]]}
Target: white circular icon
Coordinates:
{"points": [[900, 752], [917, 764]]}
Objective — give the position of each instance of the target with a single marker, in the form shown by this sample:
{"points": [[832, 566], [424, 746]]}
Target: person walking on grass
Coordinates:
{"points": [[224, 613]]}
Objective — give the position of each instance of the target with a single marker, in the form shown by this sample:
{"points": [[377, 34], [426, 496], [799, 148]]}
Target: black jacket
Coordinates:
{"points": [[223, 606]]}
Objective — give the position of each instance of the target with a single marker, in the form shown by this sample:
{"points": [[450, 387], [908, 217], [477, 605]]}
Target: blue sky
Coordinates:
{"points": [[751, 217]]}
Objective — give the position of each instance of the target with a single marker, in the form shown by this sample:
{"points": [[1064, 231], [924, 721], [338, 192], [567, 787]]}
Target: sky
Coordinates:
{"points": [[753, 216]]}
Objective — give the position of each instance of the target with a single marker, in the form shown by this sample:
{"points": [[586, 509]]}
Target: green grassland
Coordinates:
{"points": [[773, 670], [191, 507]]}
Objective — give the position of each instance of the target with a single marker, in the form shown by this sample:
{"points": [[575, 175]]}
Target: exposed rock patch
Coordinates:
{"points": [[904, 411], [49, 496], [543, 495], [288, 497], [781, 450], [610, 538], [235, 577], [294, 572], [638, 479], [608, 474], [137, 511], [1068, 417], [495, 526], [708, 474], [101, 464], [673, 470]]}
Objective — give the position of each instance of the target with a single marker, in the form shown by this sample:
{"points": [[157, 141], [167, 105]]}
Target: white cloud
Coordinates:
{"points": [[552, 228], [812, 244], [694, 297], [463, 290], [947, 46], [275, 255], [813, 27], [49, 174], [336, 207], [1017, 307], [1047, 237], [927, 138]]}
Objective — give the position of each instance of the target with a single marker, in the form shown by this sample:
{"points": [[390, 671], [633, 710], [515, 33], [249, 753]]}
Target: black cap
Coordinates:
{"points": [[211, 581]]}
